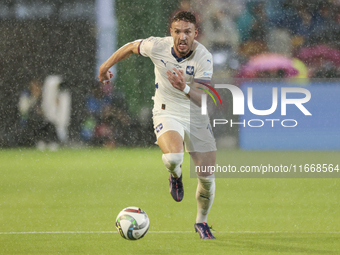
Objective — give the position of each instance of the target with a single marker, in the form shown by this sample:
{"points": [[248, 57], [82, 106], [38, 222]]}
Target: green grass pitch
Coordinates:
{"points": [[66, 202]]}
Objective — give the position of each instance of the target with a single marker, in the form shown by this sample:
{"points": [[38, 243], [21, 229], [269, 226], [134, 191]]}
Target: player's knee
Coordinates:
{"points": [[172, 160]]}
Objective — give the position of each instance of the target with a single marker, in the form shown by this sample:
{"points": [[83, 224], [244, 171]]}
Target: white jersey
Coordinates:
{"points": [[196, 66]]}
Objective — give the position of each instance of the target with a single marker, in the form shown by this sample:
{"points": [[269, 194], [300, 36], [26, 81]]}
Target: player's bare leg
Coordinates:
{"points": [[205, 192], [171, 144]]}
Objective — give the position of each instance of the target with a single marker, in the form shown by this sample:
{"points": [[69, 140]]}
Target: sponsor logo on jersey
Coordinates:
{"points": [[159, 127], [207, 74], [190, 70]]}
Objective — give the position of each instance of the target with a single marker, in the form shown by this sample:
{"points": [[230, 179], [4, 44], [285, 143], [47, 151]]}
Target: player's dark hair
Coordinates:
{"points": [[184, 16]]}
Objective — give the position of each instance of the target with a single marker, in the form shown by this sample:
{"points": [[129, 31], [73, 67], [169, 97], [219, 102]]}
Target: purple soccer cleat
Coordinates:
{"points": [[204, 230], [176, 188]]}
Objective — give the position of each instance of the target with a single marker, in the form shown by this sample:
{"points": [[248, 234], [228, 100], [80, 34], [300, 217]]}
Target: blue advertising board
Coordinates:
{"points": [[295, 130]]}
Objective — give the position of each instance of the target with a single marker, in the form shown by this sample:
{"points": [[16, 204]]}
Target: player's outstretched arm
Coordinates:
{"points": [[122, 53]]}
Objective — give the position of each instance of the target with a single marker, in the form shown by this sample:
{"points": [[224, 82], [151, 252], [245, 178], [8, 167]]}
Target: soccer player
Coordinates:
{"points": [[182, 66]]}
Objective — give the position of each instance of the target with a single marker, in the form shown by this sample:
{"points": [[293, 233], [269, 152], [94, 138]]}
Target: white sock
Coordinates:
{"points": [[172, 162], [205, 195]]}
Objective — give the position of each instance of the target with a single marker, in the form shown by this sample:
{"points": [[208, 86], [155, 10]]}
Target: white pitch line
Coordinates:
{"points": [[171, 232]]}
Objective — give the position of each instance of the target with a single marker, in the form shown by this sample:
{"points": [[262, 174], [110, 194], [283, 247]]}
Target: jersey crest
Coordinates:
{"points": [[190, 70]]}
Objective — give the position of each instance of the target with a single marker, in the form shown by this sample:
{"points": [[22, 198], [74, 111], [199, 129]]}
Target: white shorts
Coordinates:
{"points": [[196, 138]]}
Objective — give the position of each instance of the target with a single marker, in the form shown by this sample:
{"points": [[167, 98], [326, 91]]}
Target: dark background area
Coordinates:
{"points": [[65, 44], [36, 49]]}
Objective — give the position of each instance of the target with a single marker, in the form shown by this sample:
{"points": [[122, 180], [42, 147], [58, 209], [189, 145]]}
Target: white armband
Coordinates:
{"points": [[186, 89]]}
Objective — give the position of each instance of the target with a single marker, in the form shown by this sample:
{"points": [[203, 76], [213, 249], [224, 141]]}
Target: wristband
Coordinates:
{"points": [[186, 89]]}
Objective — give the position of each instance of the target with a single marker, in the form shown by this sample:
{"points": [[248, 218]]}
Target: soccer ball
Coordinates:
{"points": [[132, 223]]}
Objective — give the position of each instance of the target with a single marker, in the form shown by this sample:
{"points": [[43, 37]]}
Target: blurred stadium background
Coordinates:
{"points": [[295, 39], [65, 201]]}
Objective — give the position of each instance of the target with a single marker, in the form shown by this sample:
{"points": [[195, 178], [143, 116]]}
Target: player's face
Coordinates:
{"points": [[184, 34]]}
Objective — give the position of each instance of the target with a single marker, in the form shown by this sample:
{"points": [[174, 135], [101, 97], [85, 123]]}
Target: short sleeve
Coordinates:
{"points": [[204, 69], [145, 47]]}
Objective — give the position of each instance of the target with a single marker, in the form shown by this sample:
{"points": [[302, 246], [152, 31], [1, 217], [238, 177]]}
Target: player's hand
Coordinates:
{"points": [[177, 81], [105, 77]]}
